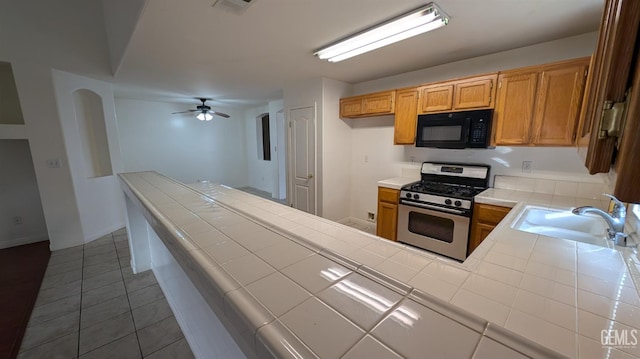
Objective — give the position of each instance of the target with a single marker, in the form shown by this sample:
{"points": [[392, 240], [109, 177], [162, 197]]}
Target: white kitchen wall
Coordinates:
{"points": [[180, 146], [374, 157], [336, 151], [20, 196], [99, 199]]}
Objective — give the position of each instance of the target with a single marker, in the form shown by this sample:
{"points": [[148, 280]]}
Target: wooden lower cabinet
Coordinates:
{"points": [[387, 225], [485, 218]]}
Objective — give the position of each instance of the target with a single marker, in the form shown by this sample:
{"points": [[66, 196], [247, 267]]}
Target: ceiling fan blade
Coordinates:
{"points": [[174, 113], [220, 114]]}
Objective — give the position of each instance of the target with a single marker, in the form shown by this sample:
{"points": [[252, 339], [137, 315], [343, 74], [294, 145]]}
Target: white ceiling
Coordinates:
{"points": [[186, 48]]}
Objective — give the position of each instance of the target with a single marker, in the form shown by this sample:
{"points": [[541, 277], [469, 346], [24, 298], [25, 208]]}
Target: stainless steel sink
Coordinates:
{"points": [[562, 224]]}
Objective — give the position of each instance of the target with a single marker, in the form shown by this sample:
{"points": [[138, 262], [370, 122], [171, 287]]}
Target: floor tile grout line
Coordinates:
{"points": [[130, 312], [80, 309], [135, 328]]}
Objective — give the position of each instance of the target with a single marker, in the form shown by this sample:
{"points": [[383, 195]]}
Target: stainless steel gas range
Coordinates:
{"points": [[435, 212]]}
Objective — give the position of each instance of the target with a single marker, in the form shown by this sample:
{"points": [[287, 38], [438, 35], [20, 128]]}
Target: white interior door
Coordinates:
{"points": [[302, 158], [281, 172]]}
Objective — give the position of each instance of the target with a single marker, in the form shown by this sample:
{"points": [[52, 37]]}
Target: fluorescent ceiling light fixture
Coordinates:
{"points": [[425, 18], [204, 116]]}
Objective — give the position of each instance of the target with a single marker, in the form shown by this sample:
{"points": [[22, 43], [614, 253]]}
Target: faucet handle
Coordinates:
{"points": [[618, 206]]}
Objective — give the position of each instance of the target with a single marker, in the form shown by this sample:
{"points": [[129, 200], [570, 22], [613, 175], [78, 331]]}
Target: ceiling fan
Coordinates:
{"points": [[204, 112]]}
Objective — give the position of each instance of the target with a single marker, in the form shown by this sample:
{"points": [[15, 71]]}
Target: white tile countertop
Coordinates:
{"points": [[291, 282], [397, 182]]}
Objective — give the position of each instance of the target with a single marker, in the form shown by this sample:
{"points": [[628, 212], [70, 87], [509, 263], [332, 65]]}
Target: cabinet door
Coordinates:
{"points": [[436, 98], [514, 108], [378, 103], [489, 214], [479, 231], [350, 107], [406, 115], [387, 220], [473, 94], [558, 105]]}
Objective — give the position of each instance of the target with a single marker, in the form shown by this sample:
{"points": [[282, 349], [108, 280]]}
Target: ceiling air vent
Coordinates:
{"points": [[236, 6]]}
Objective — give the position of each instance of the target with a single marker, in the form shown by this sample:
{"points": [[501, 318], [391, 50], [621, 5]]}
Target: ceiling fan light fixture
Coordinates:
{"points": [[204, 116], [418, 21]]}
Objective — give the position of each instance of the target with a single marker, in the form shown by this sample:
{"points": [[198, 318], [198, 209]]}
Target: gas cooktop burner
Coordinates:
{"points": [[444, 189]]}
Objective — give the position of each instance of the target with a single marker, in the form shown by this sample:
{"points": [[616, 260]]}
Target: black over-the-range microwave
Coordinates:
{"points": [[467, 129]]}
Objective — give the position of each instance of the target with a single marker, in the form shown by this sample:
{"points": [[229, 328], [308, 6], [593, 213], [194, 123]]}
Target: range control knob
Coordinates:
{"points": [[447, 201], [458, 203], [416, 196], [408, 195]]}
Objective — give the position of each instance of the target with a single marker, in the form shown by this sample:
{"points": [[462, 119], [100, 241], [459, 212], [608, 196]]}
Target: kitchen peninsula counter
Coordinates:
{"points": [[286, 283]]}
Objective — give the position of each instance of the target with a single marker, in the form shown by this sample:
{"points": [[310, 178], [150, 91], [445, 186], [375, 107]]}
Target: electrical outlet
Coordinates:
{"points": [[527, 166], [17, 220], [53, 163], [371, 216]]}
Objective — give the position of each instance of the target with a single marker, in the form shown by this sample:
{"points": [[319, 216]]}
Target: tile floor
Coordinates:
{"points": [[91, 305]]}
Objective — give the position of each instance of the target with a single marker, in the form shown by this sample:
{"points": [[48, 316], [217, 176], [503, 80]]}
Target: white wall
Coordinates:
{"points": [[372, 138], [44, 132], [99, 199], [36, 38], [20, 196], [180, 146], [259, 171], [336, 152], [263, 175]]}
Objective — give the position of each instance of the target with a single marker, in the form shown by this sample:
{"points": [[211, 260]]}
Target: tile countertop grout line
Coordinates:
{"points": [[147, 202], [379, 278]]}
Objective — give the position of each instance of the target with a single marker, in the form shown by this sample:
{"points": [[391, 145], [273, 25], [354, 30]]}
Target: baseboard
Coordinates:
{"points": [[22, 241]]}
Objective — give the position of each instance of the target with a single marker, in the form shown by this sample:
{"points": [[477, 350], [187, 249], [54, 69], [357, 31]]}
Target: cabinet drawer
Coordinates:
{"points": [[490, 214], [388, 195]]}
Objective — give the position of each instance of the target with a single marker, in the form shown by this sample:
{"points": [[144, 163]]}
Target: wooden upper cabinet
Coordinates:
{"points": [[474, 94], [375, 104], [513, 114], [559, 101], [436, 98], [406, 116], [350, 107], [458, 95], [540, 105], [615, 70]]}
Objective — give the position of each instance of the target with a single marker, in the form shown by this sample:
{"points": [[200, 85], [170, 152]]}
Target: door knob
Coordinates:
{"points": [[310, 176]]}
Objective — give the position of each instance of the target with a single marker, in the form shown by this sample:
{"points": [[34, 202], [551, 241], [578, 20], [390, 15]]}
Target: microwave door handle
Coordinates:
{"points": [[467, 129]]}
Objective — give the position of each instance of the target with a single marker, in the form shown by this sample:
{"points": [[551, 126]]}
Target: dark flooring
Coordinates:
{"points": [[21, 271]]}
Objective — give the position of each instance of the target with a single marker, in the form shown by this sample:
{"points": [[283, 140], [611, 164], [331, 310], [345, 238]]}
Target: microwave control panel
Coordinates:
{"points": [[478, 131]]}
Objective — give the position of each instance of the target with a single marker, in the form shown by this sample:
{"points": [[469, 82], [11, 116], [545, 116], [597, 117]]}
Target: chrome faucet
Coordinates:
{"points": [[615, 219]]}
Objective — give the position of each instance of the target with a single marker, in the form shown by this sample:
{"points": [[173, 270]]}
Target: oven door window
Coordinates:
{"points": [[431, 226]]}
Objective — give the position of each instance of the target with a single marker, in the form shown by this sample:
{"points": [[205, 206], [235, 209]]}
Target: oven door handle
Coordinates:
{"points": [[423, 205]]}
